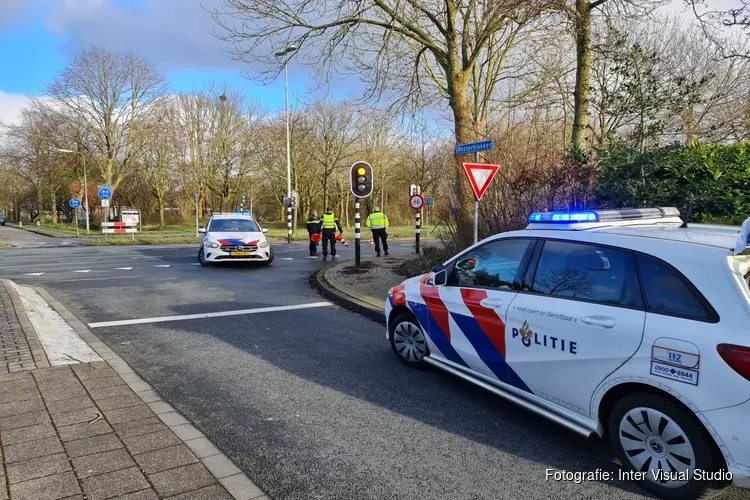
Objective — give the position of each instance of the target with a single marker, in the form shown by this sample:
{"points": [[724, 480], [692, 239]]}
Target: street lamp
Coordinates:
{"points": [[288, 50], [85, 182]]}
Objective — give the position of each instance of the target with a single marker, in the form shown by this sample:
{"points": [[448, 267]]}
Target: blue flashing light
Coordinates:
{"points": [[245, 212], [563, 217]]}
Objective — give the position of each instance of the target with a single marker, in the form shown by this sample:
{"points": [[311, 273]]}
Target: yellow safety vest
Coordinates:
{"points": [[377, 220], [329, 221]]}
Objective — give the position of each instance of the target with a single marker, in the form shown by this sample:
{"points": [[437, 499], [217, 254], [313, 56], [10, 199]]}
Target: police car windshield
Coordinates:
{"points": [[233, 226]]}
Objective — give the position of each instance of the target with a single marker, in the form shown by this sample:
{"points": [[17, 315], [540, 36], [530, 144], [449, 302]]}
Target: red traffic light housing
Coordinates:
{"points": [[361, 177]]}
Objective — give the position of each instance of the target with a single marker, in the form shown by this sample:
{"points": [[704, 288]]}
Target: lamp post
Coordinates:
{"points": [[288, 50], [85, 182]]}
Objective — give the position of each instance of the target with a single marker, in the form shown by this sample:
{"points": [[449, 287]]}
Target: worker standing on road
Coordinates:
{"points": [[313, 230], [329, 225], [378, 223]]}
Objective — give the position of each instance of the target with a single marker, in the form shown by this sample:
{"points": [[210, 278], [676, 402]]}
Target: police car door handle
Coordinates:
{"points": [[490, 303], [604, 321]]}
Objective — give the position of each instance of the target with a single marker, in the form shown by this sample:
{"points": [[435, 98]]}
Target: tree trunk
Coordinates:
{"points": [[464, 133], [54, 208], [583, 70], [161, 212]]}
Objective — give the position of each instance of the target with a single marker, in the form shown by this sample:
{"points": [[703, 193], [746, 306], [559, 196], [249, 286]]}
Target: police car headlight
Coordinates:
{"points": [[263, 244], [212, 244]]}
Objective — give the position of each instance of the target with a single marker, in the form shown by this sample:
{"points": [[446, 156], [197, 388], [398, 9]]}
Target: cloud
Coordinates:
{"points": [[10, 10], [11, 106], [171, 34]]}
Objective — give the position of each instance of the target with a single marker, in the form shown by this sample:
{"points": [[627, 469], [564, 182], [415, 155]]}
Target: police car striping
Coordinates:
{"points": [[629, 325]]}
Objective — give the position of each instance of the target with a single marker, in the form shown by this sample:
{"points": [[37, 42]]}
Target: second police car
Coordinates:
{"points": [[627, 325], [234, 237]]}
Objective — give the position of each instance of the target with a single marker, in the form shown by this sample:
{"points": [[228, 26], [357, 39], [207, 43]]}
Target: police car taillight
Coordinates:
{"points": [[737, 357]]}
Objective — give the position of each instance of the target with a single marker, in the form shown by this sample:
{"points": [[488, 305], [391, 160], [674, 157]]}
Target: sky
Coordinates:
{"points": [[38, 37]]}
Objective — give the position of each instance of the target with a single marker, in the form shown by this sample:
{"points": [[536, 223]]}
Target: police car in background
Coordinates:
{"points": [[234, 237], [625, 324]]}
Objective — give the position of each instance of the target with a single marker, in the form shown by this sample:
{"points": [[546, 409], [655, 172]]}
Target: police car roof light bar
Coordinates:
{"points": [[604, 215]]}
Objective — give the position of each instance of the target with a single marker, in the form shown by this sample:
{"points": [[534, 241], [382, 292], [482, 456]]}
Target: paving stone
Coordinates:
{"points": [[95, 444], [110, 392], [114, 483], [202, 447], [47, 488], [64, 393], [67, 405], [172, 418], [23, 420], [32, 449], [220, 466], [30, 433], [138, 427], [88, 372], [80, 431], [140, 386], [37, 467], [164, 459], [19, 407], [127, 414], [140, 495], [20, 396], [14, 377], [75, 417], [101, 382], [119, 402], [215, 492], [181, 480], [99, 463], [149, 442], [241, 488], [17, 385], [53, 373], [149, 396], [60, 385]]}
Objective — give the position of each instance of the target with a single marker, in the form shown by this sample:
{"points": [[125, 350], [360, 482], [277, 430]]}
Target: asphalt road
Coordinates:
{"points": [[310, 403]]}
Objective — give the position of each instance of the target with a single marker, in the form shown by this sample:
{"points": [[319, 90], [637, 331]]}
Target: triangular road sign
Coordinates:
{"points": [[480, 176]]}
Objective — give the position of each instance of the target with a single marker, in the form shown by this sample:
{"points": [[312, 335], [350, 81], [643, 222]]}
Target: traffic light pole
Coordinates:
{"points": [[356, 231], [418, 226]]}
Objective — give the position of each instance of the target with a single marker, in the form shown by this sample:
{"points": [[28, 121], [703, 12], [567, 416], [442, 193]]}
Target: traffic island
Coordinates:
{"points": [[364, 288], [92, 427]]}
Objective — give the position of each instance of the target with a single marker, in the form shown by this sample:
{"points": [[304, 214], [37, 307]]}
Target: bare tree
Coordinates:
{"points": [[109, 94], [417, 51], [158, 156]]}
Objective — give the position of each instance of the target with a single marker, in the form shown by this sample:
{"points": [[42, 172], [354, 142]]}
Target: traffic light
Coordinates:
{"points": [[362, 179]]}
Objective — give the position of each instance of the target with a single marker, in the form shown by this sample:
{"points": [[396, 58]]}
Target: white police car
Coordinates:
{"points": [[234, 237], [625, 324]]}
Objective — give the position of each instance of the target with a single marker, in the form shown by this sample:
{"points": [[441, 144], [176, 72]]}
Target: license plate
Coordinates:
{"points": [[239, 253]]}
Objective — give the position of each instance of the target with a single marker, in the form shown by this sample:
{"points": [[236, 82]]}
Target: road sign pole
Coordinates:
{"points": [[75, 216], [418, 226], [476, 207], [356, 231], [197, 216]]}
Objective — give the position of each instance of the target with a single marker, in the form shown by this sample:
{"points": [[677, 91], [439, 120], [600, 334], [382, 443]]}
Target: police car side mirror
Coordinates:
{"points": [[265, 229], [438, 268], [201, 229], [440, 278]]}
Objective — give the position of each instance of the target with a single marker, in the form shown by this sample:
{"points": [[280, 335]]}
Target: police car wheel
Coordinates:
{"points": [[202, 258], [656, 436], [408, 341]]}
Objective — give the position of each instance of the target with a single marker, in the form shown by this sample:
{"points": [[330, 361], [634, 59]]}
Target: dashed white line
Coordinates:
{"points": [[33, 274], [287, 258], [238, 312], [161, 265], [123, 268], [311, 257], [83, 271]]}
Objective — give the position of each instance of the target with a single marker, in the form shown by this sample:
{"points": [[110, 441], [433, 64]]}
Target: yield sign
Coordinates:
{"points": [[480, 176]]}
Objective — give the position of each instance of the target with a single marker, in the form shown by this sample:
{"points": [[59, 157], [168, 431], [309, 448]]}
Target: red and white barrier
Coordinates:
{"points": [[119, 227]]}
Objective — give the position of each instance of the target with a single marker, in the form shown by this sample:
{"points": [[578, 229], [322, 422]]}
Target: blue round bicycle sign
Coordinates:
{"points": [[74, 203], [105, 193]]}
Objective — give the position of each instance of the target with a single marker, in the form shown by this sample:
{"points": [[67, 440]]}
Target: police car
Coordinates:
{"points": [[624, 324], [234, 237]]}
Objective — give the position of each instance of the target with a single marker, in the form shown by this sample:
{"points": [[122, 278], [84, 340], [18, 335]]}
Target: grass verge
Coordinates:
{"points": [[125, 240]]}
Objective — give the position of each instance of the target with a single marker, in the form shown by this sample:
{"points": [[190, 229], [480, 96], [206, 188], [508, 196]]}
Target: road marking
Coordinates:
{"points": [[311, 257], [195, 264], [33, 274], [238, 312], [161, 265], [287, 258], [123, 268], [83, 271]]}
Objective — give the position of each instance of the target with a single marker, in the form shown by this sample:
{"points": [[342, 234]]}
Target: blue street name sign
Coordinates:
{"points": [[475, 147], [105, 193], [429, 201], [74, 203]]}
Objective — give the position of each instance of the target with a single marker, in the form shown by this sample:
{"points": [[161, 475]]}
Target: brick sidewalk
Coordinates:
{"points": [[97, 431], [367, 285]]}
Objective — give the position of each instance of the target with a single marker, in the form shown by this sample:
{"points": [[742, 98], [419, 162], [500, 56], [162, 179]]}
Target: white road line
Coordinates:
{"points": [[195, 264], [162, 265], [123, 268], [83, 271], [238, 312], [33, 274], [311, 257], [287, 258]]}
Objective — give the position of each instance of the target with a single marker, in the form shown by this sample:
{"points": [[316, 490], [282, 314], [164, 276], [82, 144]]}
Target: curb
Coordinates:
{"points": [[239, 486], [41, 232], [318, 282]]}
